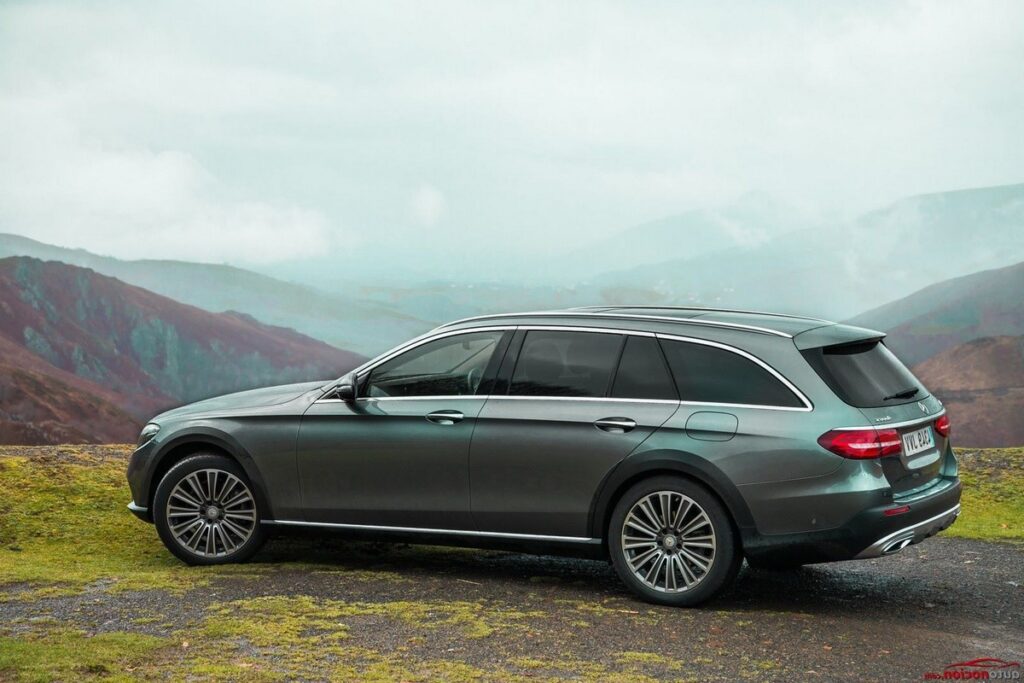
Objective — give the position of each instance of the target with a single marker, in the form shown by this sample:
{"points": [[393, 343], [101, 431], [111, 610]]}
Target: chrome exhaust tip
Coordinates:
{"points": [[896, 546]]}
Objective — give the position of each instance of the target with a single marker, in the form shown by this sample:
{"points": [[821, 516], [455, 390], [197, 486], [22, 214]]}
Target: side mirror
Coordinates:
{"points": [[346, 388]]}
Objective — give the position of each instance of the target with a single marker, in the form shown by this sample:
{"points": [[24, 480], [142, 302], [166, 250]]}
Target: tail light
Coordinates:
{"points": [[861, 443], [942, 426]]}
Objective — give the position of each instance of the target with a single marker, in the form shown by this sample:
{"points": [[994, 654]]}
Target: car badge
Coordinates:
{"points": [[923, 407]]}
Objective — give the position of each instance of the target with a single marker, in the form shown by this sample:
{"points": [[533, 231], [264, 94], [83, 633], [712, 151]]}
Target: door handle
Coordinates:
{"points": [[445, 417], [616, 425]]}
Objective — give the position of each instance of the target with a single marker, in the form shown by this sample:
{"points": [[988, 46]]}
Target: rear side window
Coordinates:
{"points": [[712, 375], [642, 372], [865, 374], [554, 363]]}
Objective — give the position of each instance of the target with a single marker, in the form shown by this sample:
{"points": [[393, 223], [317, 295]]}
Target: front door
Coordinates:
{"points": [[398, 454]]}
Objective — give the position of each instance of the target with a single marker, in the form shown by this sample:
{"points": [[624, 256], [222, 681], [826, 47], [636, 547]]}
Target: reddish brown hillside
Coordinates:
{"points": [[982, 385], [42, 404], [136, 349]]}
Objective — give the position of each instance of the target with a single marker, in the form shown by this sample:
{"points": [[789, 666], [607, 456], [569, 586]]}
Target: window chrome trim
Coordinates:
{"points": [[622, 316], [808, 406], [372, 399], [431, 336], [583, 328], [606, 399], [445, 532]]}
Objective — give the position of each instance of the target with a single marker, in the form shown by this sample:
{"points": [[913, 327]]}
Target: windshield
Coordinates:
{"points": [[865, 374]]}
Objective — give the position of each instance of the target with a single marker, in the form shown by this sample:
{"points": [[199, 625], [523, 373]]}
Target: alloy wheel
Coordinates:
{"points": [[211, 513], [668, 541]]}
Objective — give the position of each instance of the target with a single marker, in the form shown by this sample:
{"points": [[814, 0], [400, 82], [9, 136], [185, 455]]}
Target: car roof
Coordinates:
{"points": [[774, 324]]}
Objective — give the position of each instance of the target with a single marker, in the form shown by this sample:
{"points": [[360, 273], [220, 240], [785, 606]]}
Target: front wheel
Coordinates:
{"points": [[206, 513], [672, 542]]}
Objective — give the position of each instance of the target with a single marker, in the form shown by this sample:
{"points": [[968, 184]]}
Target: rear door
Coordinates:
{"points": [[560, 419], [867, 375]]}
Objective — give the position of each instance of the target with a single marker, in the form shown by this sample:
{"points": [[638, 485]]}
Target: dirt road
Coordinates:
{"points": [[421, 612]]}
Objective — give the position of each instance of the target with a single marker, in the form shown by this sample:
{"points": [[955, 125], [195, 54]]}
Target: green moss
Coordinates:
{"points": [[993, 495], [280, 619], [64, 525], [66, 655], [649, 659]]}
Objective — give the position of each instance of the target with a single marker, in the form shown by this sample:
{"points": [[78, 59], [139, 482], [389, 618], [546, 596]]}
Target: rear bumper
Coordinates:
{"points": [[914, 533], [868, 534]]}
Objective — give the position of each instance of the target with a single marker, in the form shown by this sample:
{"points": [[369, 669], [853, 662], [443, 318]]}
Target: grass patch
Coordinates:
{"points": [[993, 497], [64, 524], [68, 655]]}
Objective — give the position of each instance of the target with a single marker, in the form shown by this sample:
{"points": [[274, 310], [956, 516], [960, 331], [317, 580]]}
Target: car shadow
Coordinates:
{"points": [[852, 587]]}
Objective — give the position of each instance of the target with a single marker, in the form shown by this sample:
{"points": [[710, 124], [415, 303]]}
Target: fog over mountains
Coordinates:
{"points": [[756, 254], [93, 344]]}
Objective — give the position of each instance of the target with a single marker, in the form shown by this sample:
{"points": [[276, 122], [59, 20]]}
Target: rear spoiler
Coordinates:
{"points": [[831, 335]]}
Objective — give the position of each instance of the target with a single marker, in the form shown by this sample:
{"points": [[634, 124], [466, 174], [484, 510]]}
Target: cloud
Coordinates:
{"points": [[64, 188], [427, 205], [538, 120]]}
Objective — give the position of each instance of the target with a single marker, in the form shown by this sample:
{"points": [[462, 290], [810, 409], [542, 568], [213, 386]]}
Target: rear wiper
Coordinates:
{"points": [[906, 393]]}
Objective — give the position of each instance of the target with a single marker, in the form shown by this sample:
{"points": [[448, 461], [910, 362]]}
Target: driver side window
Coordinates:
{"points": [[452, 366]]}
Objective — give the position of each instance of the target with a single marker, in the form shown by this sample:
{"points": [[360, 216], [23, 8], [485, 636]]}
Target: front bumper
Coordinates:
{"points": [[140, 512]]}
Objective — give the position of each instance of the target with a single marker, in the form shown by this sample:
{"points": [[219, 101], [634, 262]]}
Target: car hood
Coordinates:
{"points": [[254, 398]]}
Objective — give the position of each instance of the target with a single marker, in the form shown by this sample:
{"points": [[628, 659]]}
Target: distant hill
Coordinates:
{"points": [[981, 382], [116, 347], [40, 403], [839, 270], [748, 223], [331, 316], [949, 313]]}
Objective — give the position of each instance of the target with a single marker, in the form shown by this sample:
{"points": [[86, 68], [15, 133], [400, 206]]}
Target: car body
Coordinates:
{"points": [[603, 432]]}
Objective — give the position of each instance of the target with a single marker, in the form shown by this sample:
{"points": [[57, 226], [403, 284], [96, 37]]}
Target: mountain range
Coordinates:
{"points": [[837, 271], [86, 356], [344, 321], [91, 343], [949, 313], [964, 338]]}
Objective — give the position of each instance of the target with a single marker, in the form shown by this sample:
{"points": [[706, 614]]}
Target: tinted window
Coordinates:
{"points": [[866, 374], [713, 375], [565, 364], [452, 366], [642, 372]]}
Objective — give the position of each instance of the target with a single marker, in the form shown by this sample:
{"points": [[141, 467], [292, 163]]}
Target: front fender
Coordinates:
{"points": [[194, 438]]}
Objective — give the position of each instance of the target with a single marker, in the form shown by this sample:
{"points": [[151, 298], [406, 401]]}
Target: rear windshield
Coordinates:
{"points": [[865, 374]]}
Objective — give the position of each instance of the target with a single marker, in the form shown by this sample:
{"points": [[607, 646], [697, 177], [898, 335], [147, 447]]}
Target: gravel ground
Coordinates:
{"points": [[891, 619]]}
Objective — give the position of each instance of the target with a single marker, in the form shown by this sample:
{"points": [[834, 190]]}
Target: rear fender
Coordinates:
{"points": [[665, 461]]}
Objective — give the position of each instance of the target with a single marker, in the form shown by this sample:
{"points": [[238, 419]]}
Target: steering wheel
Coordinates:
{"points": [[473, 379]]}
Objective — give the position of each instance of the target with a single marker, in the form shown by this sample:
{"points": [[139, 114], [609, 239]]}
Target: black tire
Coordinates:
{"points": [[230, 473], [725, 558]]}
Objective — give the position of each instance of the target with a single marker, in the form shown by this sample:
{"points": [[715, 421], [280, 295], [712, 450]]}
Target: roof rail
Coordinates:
{"points": [[706, 309], [622, 316]]}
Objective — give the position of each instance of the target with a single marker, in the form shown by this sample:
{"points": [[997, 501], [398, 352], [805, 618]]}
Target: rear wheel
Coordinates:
{"points": [[206, 513], [672, 542]]}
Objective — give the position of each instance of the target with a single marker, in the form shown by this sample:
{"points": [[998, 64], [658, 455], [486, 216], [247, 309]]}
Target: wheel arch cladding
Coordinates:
{"points": [[206, 440], [667, 462]]}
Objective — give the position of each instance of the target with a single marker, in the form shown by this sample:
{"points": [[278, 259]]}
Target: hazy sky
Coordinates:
{"points": [[257, 132]]}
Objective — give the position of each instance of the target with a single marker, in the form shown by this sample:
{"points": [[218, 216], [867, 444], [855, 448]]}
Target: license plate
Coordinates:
{"points": [[917, 441]]}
